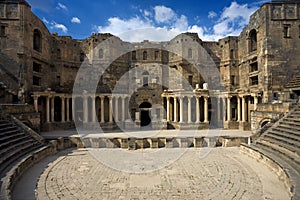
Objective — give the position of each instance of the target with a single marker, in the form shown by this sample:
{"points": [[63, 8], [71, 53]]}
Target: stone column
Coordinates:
{"points": [[94, 109], [52, 109], [197, 110], [85, 109], [243, 109], [205, 109], [181, 109], [218, 109], [224, 109], [123, 109], [110, 109], [73, 108], [63, 114], [189, 110], [68, 109], [175, 109], [229, 109], [168, 109], [238, 108], [47, 109], [116, 109], [102, 109], [255, 102], [36, 106]]}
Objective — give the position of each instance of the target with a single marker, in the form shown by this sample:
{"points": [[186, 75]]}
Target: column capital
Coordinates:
{"points": [[35, 96]]}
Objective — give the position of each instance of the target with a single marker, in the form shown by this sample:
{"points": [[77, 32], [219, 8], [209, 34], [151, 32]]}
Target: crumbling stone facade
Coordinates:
{"points": [[181, 83]]}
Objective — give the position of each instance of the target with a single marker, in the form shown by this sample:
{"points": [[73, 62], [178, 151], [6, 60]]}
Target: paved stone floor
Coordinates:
{"points": [[217, 173]]}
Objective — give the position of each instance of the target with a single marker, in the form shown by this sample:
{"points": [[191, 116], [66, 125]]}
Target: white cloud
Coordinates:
{"points": [[163, 14], [147, 13], [164, 24], [181, 24], [233, 19], [117, 25], [61, 27], [212, 14], [45, 20], [61, 6], [75, 20], [55, 25]]}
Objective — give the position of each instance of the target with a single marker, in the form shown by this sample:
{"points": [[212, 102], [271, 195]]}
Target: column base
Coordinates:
{"points": [[231, 125], [52, 126], [245, 126]]}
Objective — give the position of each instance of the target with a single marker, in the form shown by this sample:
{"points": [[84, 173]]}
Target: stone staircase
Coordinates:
{"points": [[279, 147], [14, 143], [294, 83]]}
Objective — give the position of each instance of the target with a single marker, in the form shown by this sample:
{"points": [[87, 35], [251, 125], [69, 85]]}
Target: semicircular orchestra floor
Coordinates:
{"points": [[223, 173]]}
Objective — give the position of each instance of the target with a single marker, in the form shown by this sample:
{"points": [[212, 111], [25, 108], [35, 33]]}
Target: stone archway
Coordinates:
{"points": [[145, 109]]}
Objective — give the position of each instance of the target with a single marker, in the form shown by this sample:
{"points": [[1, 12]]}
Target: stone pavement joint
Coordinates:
{"points": [[223, 173]]}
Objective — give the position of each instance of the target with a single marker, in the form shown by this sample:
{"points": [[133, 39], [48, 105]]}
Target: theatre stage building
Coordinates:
{"points": [[239, 82]]}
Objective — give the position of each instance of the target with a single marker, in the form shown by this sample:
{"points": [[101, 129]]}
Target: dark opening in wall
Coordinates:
{"points": [[36, 81], [254, 80], [37, 40], [253, 67], [2, 31], [133, 55], [36, 67], [286, 30], [253, 40], [145, 55]]}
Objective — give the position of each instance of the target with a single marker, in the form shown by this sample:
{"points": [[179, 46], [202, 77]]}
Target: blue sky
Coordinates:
{"points": [[137, 20]]}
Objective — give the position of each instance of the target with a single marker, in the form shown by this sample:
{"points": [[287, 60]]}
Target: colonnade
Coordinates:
{"points": [[69, 107], [242, 104], [180, 108], [178, 104], [226, 107]]}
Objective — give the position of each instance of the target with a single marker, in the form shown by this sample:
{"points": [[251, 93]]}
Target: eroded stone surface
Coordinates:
{"points": [[223, 174]]}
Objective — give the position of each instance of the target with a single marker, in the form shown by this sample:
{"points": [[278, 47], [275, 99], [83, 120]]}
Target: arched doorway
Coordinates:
{"points": [[145, 108]]}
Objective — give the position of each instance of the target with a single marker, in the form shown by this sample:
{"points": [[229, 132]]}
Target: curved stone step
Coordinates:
{"points": [[284, 135], [10, 132], [281, 129], [8, 128], [284, 153], [290, 126], [11, 148], [292, 176], [10, 136], [290, 146], [13, 156], [292, 119]]}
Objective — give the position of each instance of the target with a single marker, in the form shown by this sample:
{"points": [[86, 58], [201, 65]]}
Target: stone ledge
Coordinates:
{"points": [[18, 169], [284, 172]]}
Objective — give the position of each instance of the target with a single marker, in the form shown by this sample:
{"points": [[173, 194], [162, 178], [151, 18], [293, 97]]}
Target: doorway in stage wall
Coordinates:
{"points": [[145, 111]]}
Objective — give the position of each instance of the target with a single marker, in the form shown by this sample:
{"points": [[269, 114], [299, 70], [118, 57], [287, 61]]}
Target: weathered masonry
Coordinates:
{"points": [[235, 83]]}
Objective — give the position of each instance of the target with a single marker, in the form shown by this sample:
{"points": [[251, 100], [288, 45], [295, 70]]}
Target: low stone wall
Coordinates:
{"points": [[272, 164], [27, 129], [268, 112], [25, 113], [160, 142], [17, 170]]}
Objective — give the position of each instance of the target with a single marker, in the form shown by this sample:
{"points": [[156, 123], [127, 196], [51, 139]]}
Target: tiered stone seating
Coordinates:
{"points": [[14, 143], [280, 146], [294, 83]]}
